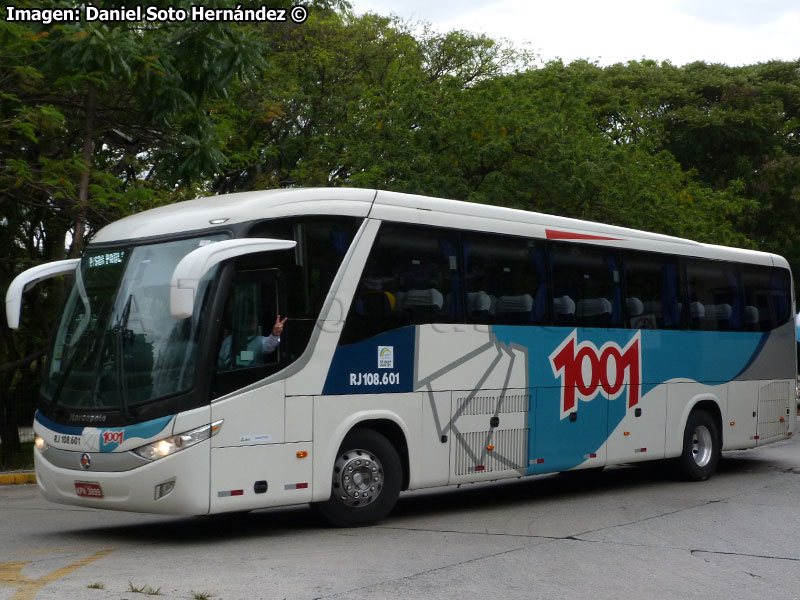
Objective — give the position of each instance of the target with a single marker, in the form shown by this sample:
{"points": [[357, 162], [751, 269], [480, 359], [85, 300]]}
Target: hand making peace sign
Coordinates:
{"points": [[277, 329]]}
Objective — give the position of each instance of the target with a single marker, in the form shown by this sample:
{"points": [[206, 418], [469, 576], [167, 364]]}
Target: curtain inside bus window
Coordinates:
{"points": [[539, 312], [449, 250], [781, 298], [616, 292], [672, 305], [732, 279]]}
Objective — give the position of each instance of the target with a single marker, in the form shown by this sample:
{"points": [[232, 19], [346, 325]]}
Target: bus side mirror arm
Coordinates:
{"points": [[29, 278], [190, 270]]}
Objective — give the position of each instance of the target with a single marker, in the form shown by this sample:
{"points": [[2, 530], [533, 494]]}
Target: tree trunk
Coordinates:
{"points": [[83, 184]]}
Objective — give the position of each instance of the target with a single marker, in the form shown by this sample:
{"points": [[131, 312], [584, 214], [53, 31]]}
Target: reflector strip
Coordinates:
{"points": [[640, 450], [295, 486], [480, 468], [592, 455], [539, 461], [226, 493]]}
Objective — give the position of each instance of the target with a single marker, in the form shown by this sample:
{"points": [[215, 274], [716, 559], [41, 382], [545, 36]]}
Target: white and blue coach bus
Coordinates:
{"points": [[429, 342]]}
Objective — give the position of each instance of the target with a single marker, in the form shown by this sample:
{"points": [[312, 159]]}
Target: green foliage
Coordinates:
{"points": [[100, 120], [97, 120]]}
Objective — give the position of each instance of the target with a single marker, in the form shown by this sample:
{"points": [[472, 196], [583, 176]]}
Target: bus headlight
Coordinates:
{"points": [[40, 444], [173, 444]]}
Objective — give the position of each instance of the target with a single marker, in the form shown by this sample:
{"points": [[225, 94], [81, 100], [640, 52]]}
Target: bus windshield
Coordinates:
{"points": [[117, 345]]}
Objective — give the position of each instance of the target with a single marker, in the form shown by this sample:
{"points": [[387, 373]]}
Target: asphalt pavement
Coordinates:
{"points": [[628, 532]]}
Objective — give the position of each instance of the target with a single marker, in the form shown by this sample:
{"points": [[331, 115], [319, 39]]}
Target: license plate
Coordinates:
{"points": [[88, 490]]}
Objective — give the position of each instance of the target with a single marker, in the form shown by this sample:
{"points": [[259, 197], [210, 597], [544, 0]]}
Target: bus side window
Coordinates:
{"points": [[411, 278], [652, 293], [716, 301], [587, 288], [505, 280], [767, 298]]}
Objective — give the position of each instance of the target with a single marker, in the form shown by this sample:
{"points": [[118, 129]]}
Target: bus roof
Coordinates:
{"points": [[224, 210]]}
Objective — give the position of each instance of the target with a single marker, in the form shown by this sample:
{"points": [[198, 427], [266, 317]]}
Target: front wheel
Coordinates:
{"points": [[365, 482], [701, 447]]}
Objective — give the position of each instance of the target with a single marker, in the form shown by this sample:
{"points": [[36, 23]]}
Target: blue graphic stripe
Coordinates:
{"points": [[702, 356], [143, 431], [355, 368], [57, 427]]}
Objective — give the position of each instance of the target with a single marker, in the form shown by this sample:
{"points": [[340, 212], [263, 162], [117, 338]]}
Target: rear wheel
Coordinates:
{"points": [[701, 447], [365, 482]]}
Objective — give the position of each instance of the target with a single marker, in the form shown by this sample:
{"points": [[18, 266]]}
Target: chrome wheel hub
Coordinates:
{"points": [[701, 446], [357, 478]]}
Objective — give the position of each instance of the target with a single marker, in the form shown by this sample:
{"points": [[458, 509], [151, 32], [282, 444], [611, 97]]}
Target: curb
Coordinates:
{"points": [[16, 478]]}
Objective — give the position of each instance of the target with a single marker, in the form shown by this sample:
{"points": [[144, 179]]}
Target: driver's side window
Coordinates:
{"points": [[249, 345]]}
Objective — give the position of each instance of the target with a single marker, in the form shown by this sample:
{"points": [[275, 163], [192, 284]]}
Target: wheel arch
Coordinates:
{"points": [[397, 438], [711, 406], [387, 423], [706, 402]]}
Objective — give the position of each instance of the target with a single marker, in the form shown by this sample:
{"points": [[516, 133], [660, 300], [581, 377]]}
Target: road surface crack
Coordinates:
{"points": [[426, 572]]}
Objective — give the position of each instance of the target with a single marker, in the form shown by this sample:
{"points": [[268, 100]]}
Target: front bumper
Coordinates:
{"points": [[134, 490]]}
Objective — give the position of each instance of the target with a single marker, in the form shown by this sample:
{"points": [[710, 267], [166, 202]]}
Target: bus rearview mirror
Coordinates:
{"points": [[29, 278], [191, 269]]}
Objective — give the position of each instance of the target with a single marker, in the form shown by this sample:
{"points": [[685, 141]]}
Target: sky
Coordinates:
{"points": [[733, 32]]}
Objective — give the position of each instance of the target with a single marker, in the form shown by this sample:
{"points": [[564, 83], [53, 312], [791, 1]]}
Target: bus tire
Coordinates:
{"points": [[366, 480], [701, 447]]}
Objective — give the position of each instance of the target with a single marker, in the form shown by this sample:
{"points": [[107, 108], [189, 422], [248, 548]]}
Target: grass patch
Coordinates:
{"points": [[96, 586], [147, 590], [201, 595]]}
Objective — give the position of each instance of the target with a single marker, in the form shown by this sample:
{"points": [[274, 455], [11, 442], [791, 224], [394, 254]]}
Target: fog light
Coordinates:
{"points": [[162, 489], [40, 444]]}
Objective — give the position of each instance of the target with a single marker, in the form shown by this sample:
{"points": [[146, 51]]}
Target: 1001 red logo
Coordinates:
{"points": [[585, 369], [113, 437]]}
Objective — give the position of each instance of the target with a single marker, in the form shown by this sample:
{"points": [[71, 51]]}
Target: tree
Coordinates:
{"points": [[98, 120]]}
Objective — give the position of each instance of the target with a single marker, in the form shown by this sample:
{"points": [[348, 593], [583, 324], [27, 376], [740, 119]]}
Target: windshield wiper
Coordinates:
{"points": [[120, 331], [76, 335]]}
